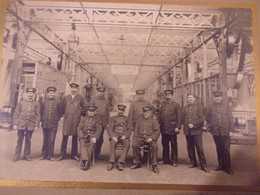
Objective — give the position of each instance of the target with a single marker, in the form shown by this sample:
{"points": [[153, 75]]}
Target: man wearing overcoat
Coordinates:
{"points": [[220, 119], [192, 120], [170, 123], [72, 105], [26, 119], [51, 111], [119, 131]]}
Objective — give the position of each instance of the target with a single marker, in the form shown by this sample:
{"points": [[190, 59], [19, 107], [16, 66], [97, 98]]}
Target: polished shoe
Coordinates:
{"points": [[205, 169], [76, 158], [43, 158], [155, 169], [135, 166], [120, 166], [230, 172], [82, 164], [110, 166], [51, 159], [98, 157], [15, 159], [61, 158], [218, 168], [174, 164], [87, 165], [192, 165], [27, 158]]}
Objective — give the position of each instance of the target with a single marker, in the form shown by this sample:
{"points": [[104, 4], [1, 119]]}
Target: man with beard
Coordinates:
{"points": [[103, 112], [193, 119], [26, 119], [89, 130], [119, 131], [51, 111], [72, 105], [220, 120], [170, 123]]}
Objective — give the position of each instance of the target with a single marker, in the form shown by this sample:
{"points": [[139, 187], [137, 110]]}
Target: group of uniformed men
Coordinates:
{"points": [[86, 122]]}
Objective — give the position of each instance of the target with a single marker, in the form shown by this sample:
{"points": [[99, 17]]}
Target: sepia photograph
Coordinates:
{"points": [[128, 94]]}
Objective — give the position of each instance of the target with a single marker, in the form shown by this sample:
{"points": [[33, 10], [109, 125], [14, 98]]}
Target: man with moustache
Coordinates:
{"points": [[72, 105], [119, 131], [26, 119], [170, 124], [103, 112], [51, 111], [89, 130], [193, 119], [220, 119]]}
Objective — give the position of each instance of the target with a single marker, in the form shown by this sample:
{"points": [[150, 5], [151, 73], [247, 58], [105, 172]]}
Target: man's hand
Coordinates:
{"points": [[123, 137], [149, 139], [177, 130], [93, 139], [35, 128], [190, 125], [15, 127], [115, 139]]}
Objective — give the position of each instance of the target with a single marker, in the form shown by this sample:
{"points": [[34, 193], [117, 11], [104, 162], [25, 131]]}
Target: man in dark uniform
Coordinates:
{"points": [[51, 111], [103, 112], [170, 123], [119, 131], [220, 120], [26, 119], [72, 105], [193, 119], [89, 130], [147, 131], [135, 110]]}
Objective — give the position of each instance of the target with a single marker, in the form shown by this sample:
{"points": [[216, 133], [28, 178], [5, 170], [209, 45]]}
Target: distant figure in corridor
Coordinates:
{"points": [[26, 119], [193, 119], [89, 130], [170, 124], [220, 120], [103, 112], [119, 131], [72, 105], [51, 111]]}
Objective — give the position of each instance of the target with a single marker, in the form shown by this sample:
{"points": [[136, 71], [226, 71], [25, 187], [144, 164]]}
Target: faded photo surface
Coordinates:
{"points": [[182, 76]]}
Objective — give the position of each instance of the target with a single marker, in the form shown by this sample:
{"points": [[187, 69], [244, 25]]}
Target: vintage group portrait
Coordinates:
{"points": [[129, 94]]}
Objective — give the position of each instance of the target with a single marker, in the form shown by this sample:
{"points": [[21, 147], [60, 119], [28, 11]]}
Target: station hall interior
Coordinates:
{"points": [[128, 46]]}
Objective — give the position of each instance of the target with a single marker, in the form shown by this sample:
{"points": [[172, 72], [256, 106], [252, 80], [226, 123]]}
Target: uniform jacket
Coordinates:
{"points": [[192, 114], [89, 126], [146, 128], [72, 112], [102, 111], [51, 111], [170, 118], [119, 126], [135, 110], [220, 119], [27, 115]]}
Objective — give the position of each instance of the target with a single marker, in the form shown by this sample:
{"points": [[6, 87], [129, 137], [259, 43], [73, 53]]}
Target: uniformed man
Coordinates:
{"points": [[220, 120], [135, 110], [147, 131], [170, 123], [103, 112], [119, 131], [51, 111], [26, 119], [193, 119], [89, 130], [72, 105]]}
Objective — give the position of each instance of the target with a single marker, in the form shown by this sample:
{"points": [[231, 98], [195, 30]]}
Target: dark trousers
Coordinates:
{"points": [[49, 136], [137, 152], [99, 142], [223, 151], [87, 149], [195, 141], [21, 133], [126, 146], [74, 148], [174, 148]]}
